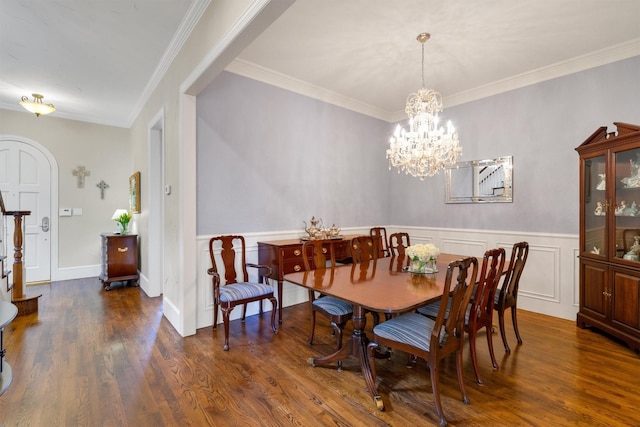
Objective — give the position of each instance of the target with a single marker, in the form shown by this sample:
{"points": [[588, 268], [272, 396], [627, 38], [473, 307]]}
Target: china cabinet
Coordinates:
{"points": [[610, 233]]}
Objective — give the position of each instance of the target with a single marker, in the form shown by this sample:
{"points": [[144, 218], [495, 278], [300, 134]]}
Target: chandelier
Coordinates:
{"points": [[426, 147], [37, 106]]}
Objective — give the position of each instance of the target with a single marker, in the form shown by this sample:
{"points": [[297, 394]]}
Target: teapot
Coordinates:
{"points": [[315, 229]]}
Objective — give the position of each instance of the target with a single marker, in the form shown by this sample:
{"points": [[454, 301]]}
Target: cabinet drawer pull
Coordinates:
{"points": [[297, 252], [297, 268], [123, 249]]}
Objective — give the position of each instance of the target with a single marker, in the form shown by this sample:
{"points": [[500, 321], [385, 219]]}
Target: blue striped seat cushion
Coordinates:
{"points": [[431, 310], [411, 328], [238, 291], [497, 297], [333, 306]]}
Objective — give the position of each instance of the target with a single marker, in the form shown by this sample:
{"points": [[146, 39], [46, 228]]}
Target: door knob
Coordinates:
{"points": [[45, 224]]}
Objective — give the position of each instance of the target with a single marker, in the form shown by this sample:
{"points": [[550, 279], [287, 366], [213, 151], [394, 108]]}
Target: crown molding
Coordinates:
{"points": [[274, 78], [190, 20], [574, 65], [580, 63]]}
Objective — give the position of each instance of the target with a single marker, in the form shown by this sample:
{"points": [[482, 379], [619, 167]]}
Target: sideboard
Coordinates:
{"points": [[285, 256]]}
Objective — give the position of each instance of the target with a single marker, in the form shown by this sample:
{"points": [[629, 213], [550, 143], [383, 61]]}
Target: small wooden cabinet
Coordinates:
{"points": [[610, 233], [119, 259]]}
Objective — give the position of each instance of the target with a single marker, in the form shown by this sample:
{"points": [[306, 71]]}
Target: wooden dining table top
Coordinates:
{"points": [[380, 285]]}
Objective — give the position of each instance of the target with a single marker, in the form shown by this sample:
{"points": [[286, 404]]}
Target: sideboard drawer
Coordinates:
{"points": [[292, 252], [292, 266]]}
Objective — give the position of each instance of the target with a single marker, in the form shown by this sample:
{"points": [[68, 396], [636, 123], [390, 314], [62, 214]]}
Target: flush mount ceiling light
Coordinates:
{"points": [[36, 106], [426, 147]]}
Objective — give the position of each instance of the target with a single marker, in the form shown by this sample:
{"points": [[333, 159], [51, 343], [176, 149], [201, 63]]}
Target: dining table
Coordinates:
{"points": [[381, 285]]}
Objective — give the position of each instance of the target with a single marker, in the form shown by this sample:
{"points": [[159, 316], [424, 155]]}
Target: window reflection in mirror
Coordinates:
{"points": [[480, 181]]}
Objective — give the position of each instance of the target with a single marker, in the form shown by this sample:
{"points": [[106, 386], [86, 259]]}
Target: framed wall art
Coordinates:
{"points": [[134, 193]]}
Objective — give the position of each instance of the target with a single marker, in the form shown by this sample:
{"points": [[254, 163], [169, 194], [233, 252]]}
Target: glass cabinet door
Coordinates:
{"points": [[595, 208], [627, 204]]}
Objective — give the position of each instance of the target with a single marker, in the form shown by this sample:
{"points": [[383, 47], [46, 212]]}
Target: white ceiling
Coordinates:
{"points": [[98, 60]]}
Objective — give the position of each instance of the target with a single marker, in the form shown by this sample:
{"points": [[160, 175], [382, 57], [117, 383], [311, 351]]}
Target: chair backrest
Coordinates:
{"points": [[318, 251], [483, 299], [398, 243], [380, 233], [448, 331], [519, 255], [364, 248], [228, 245]]}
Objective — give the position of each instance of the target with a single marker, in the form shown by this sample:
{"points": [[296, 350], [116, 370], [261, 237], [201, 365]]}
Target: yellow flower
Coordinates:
{"points": [[124, 218]]}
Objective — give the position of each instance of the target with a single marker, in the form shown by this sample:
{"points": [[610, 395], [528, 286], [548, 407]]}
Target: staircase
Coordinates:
{"points": [[26, 304]]}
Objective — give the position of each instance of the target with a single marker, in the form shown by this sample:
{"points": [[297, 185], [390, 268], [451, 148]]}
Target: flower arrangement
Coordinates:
{"points": [[423, 258], [122, 217]]}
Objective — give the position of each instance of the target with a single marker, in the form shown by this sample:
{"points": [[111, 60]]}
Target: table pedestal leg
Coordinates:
{"points": [[355, 346]]}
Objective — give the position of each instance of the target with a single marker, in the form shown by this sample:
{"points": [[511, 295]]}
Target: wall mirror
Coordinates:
{"points": [[480, 181]]}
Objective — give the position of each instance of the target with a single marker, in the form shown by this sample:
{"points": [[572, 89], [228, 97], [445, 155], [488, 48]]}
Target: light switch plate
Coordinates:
{"points": [[65, 212], [77, 211]]}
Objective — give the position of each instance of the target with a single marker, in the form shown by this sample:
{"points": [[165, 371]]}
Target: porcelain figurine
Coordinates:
{"points": [[599, 209], [602, 185]]}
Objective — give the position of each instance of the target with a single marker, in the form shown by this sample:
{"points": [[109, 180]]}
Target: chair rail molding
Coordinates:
{"points": [[549, 283]]}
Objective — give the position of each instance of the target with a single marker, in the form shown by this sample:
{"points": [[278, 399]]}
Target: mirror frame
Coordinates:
{"points": [[505, 197]]}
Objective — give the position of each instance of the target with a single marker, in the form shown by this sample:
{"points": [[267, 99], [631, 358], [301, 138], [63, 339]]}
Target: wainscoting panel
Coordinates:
{"points": [[541, 276], [467, 247], [549, 284]]}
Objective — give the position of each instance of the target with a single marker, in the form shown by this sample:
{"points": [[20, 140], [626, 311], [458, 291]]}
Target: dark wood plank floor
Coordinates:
{"points": [[95, 358]]}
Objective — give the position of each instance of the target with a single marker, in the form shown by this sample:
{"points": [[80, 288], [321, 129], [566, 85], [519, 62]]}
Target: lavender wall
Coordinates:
{"points": [[540, 126], [269, 158]]}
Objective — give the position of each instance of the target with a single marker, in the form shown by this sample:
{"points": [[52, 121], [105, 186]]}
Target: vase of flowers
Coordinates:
{"points": [[423, 258], [122, 218]]}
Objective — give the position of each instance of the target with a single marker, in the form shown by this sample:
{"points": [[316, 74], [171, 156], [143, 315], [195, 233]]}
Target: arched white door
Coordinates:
{"points": [[25, 182]]}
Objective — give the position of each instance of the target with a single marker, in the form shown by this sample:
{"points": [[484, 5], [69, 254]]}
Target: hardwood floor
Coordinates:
{"points": [[96, 358]]}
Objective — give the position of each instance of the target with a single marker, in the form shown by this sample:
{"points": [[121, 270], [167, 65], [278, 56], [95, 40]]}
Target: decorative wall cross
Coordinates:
{"points": [[81, 172], [102, 186]]}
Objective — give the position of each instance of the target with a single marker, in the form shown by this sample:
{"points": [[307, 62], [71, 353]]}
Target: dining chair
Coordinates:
{"points": [[480, 309], [237, 289], [364, 250], [316, 255], [433, 339], [398, 244], [380, 233], [507, 295]]}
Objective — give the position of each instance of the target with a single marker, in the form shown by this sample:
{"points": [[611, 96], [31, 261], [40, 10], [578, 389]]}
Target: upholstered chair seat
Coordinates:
{"points": [[333, 306]]}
